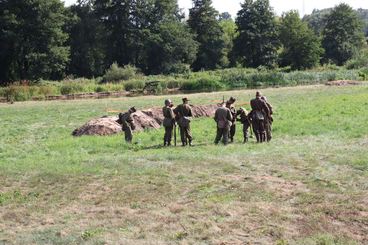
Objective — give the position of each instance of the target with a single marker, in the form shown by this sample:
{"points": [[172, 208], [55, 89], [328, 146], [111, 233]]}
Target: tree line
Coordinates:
{"points": [[43, 39]]}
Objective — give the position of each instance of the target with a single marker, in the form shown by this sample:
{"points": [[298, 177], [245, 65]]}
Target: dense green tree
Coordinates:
{"points": [[87, 41], [363, 14], [118, 19], [257, 42], [171, 49], [228, 27], [342, 35], [225, 16], [316, 20], [32, 39], [169, 46], [205, 25], [301, 46], [137, 33]]}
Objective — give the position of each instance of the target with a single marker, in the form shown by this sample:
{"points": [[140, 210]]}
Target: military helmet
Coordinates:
{"points": [[168, 102], [185, 99], [244, 110], [132, 109], [232, 100]]}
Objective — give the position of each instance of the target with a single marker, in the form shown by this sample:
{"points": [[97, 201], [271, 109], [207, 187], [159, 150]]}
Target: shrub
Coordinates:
{"points": [[363, 74], [171, 84], [18, 93], [203, 84], [134, 85], [100, 89], [71, 88], [179, 68], [359, 60], [47, 90], [116, 73]]}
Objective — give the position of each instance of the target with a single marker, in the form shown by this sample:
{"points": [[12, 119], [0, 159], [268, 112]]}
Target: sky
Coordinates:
{"points": [[279, 6]]}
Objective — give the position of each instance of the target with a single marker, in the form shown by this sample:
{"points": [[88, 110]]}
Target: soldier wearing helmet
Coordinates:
{"points": [[169, 121], [230, 106], [259, 111], [184, 115], [245, 119], [127, 124], [268, 120]]}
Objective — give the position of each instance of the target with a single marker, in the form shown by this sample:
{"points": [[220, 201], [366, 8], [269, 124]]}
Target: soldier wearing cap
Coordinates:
{"points": [[127, 124], [245, 119], [230, 106], [169, 121], [184, 115], [259, 111], [268, 120], [223, 118]]}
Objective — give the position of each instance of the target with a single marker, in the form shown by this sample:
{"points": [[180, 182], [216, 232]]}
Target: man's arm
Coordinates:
{"points": [[265, 107], [229, 115], [190, 112], [270, 108]]}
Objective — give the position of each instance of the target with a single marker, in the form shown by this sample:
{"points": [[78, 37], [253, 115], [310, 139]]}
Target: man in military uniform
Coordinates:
{"points": [[268, 120], [259, 111], [245, 119], [169, 121], [230, 106], [127, 124], [183, 114], [223, 118]]}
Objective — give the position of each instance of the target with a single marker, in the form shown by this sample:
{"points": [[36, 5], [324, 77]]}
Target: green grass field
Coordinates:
{"points": [[308, 186]]}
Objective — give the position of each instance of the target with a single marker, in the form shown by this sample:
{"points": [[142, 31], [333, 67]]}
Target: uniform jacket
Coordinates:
{"points": [[183, 114], [259, 105], [183, 110], [126, 120], [244, 118], [223, 117], [169, 116]]}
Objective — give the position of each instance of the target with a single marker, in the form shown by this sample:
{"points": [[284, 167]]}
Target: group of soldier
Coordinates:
{"points": [[259, 121]]}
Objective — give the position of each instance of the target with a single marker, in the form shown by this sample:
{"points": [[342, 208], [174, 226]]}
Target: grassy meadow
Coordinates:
{"points": [[308, 186]]}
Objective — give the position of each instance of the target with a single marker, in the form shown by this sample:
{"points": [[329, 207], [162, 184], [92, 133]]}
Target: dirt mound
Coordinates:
{"points": [[342, 83], [145, 119], [100, 126], [204, 111]]}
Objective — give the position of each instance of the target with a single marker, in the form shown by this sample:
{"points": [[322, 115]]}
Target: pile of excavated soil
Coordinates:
{"points": [[146, 119], [342, 83]]}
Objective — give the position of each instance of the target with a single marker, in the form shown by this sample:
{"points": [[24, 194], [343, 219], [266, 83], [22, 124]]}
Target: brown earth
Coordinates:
{"points": [[145, 119]]}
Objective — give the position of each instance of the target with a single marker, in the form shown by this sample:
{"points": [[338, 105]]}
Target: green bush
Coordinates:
{"points": [[179, 68], [134, 85], [363, 74], [359, 60], [47, 90], [71, 88], [18, 93], [116, 73], [202, 84], [172, 84]]}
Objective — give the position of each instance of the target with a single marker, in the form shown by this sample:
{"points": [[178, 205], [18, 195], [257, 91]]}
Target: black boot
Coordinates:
{"points": [[263, 137], [258, 137]]}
